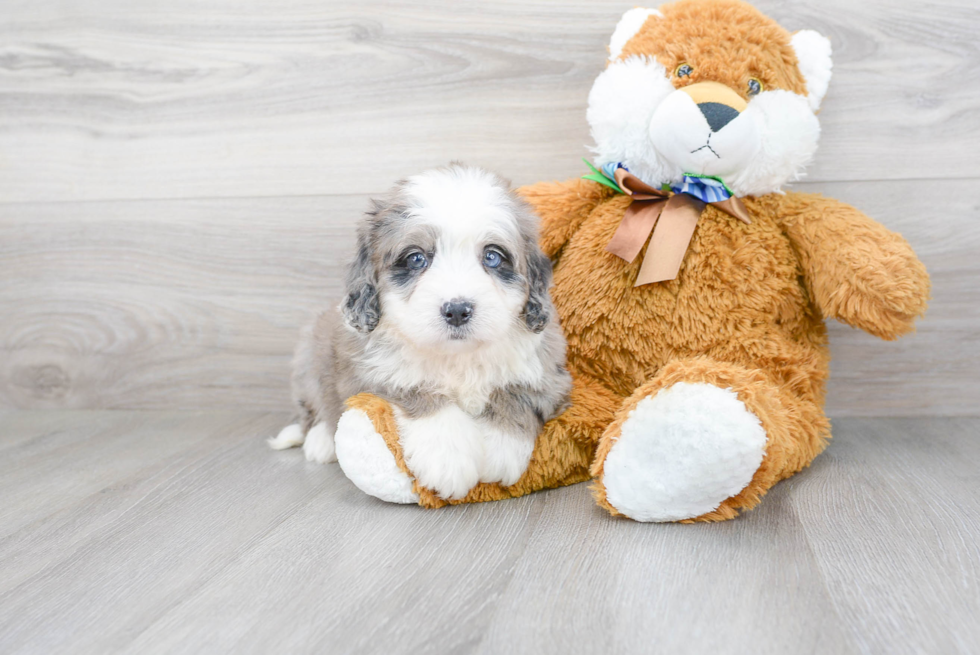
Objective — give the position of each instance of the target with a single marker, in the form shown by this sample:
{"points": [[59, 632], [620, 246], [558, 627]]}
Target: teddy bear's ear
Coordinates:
{"points": [[813, 53], [628, 26]]}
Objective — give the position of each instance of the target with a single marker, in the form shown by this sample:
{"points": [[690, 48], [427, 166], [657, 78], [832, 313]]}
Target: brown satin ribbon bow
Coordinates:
{"points": [[674, 216]]}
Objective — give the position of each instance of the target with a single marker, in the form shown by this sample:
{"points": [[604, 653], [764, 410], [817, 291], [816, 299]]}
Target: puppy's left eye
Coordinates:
{"points": [[755, 87], [416, 261], [492, 258]]}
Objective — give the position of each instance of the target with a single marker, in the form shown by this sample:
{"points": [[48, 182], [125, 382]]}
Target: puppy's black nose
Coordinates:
{"points": [[717, 114], [456, 312]]}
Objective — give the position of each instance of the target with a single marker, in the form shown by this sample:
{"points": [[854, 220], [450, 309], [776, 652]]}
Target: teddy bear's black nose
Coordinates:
{"points": [[717, 114]]}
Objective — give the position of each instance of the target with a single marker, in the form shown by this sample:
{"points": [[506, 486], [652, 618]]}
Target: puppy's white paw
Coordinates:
{"points": [[682, 452], [506, 456], [319, 446], [367, 462], [444, 450], [289, 437]]}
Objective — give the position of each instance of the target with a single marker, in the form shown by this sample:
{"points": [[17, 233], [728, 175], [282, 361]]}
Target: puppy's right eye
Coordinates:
{"points": [[492, 258], [416, 261]]}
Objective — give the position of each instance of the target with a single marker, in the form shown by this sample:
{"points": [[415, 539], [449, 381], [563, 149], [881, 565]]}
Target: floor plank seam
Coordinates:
{"points": [[381, 191], [247, 547]]}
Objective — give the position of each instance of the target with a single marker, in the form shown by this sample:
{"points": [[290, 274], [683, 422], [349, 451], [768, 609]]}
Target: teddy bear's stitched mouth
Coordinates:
{"points": [[708, 146]]}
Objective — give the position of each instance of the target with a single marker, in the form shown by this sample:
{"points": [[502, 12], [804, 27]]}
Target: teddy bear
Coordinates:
{"points": [[691, 286]]}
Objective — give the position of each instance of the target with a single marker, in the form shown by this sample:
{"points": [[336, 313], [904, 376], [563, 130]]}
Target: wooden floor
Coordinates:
{"points": [[179, 180], [180, 532], [179, 183]]}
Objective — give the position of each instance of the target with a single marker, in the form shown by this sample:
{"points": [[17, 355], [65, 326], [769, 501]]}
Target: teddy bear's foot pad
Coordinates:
{"points": [[682, 452], [366, 460]]}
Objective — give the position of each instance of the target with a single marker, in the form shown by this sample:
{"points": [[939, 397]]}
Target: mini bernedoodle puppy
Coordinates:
{"points": [[446, 316]]}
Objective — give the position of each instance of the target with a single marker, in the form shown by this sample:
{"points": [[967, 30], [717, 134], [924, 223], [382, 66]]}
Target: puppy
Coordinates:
{"points": [[446, 316]]}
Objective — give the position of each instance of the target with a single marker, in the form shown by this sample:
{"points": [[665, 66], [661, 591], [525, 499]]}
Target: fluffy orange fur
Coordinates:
{"points": [[746, 311], [724, 41]]}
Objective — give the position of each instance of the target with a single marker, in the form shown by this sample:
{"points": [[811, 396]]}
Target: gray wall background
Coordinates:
{"points": [[178, 180]]}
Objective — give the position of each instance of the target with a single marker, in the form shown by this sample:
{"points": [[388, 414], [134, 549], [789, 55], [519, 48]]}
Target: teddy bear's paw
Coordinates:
{"points": [[682, 452], [366, 460]]}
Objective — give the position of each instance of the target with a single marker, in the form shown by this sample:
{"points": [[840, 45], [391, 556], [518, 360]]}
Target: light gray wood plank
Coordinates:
{"points": [[239, 549], [151, 550], [199, 99], [97, 457], [892, 515], [196, 304], [546, 574], [84, 470], [597, 585], [935, 371], [354, 575], [192, 304]]}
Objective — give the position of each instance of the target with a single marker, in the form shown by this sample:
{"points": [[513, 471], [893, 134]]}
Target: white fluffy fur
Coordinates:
{"points": [[626, 29], [366, 460], [505, 455], [638, 118], [813, 51], [443, 450], [319, 445], [468, 212], [467, 376], [621, 103], [289, 437], [788, 133], [450, 451], [682, 452]]}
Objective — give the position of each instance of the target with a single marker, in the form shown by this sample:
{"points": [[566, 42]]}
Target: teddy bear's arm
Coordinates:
{"points": [[857, 271], [562, 206]]}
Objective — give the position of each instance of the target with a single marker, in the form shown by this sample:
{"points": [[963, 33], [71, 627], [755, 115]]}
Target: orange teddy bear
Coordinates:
{"points": [[691, 288]]}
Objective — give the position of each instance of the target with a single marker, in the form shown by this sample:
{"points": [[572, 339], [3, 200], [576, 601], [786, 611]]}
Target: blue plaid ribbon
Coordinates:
{"points": [[705, 189], [610, 169]]}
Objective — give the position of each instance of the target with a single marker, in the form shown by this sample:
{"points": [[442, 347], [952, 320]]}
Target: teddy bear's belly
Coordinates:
{"points": [[737, 298]]}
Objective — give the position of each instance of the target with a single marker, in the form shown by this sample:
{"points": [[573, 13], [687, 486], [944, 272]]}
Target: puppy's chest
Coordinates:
{"points": [[466, 381], [472, 399]]}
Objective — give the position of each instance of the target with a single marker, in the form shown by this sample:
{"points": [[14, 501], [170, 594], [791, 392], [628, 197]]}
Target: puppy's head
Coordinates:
{"points": [[449, 260]]}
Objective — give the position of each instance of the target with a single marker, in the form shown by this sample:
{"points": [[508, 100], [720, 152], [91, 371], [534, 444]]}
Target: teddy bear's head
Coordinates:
{"points": [[709, 88]]}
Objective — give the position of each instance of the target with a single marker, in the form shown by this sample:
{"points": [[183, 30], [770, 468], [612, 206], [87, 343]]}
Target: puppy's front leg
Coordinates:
{"points": [[444, 450], [507, 453]]}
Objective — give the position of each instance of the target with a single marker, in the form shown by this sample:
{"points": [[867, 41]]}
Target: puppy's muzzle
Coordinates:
{"points": [[457, 312]]}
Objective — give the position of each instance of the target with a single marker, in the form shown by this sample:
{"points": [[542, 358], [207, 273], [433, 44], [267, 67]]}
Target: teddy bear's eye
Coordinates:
{"points": [[755, 87], [684, 70]]}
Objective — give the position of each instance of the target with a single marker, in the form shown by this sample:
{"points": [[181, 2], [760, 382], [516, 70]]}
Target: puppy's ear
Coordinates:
{"points": [[537, 311], [362, 307]]}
